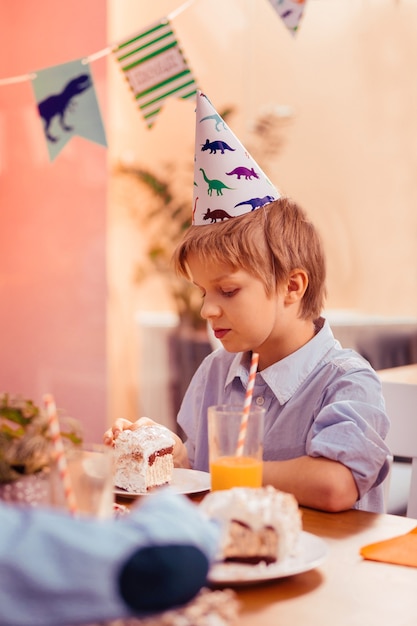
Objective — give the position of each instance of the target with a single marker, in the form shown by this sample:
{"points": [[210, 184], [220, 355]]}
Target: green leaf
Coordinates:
{"points": [[15, 415]]}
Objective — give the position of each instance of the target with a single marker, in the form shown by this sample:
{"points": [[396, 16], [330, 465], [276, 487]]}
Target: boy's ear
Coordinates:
{"points": [[297, 284]]}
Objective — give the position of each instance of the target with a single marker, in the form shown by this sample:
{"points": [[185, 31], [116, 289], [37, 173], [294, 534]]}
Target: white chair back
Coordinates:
{"points": [[401, 407]]}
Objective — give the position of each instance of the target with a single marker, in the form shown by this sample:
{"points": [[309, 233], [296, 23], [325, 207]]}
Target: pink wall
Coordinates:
{"points": [[52, 220]]}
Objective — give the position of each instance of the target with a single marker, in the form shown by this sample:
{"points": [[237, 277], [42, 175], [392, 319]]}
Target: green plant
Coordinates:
{"points": [[25, 442]]}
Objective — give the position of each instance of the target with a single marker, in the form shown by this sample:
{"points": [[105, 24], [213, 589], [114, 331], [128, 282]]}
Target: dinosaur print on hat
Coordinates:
{"points": [[227, 180]]}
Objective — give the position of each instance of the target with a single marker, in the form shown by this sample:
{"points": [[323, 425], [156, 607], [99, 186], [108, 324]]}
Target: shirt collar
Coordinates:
{"points": [[287, 375], [239, 368]]}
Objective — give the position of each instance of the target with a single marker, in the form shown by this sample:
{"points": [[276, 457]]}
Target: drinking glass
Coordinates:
{"points": [[232, 465], [90, 469]]}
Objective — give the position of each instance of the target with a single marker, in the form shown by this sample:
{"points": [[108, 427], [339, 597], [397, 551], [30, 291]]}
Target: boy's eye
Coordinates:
{"points": [[228, 293]]}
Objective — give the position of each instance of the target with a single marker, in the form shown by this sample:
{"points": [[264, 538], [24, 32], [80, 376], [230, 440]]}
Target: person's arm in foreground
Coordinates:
{"points": [[315, 481], [57, 570], [180, 452]]}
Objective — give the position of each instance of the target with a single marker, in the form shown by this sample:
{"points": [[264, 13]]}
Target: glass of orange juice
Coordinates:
{"points": [[230, 464]]}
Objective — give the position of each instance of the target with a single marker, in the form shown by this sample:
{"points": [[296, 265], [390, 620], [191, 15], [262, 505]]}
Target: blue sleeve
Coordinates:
{"points": [[351, 427], [57, 570]]}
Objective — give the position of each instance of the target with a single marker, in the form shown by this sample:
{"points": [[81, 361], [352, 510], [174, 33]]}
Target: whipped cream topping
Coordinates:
{"points": [[148, 438]]}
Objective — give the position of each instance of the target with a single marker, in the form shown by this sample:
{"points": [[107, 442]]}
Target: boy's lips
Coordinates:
{"points": [[219, 333]]}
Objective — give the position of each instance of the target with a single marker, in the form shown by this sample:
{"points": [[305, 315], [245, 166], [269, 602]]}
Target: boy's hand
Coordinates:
{"points": [[179, 453], [119, 425]]}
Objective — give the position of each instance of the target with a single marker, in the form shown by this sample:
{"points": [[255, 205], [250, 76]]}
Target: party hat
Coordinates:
{"points": [[227, 180]]}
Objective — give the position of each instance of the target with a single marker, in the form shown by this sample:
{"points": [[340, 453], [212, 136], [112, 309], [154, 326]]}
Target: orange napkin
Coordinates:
{"points": [[401, 550]]}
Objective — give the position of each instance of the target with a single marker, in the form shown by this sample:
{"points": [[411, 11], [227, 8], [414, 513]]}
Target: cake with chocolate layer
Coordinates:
{"points": [[259, 525], [143, 458]]}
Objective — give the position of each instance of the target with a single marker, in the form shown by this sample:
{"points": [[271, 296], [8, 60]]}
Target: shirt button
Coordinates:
{"points": [[260, 400]]}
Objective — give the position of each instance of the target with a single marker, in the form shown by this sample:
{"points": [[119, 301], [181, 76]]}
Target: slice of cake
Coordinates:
{"points": [[259, 525], [143, 458]]}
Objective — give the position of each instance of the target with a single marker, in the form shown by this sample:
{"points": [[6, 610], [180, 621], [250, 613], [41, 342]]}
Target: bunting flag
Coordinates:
{"points": [[68, 106], [155, 68], [290, 11]]}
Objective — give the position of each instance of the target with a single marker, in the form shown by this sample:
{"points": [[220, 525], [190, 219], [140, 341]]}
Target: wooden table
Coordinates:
{"points": [[345, 590], [403, 374]]}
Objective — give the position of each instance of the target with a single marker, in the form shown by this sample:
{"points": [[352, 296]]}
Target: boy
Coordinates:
{"points": [[261, 273]]}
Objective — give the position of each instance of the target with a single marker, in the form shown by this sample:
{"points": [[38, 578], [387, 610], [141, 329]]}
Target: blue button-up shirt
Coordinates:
{"points": [[322, 401]]}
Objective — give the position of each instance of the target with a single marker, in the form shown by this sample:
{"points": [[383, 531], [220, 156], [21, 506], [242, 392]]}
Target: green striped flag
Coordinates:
{"points": [[155, 68]]}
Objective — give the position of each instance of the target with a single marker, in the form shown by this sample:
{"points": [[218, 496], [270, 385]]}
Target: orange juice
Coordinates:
{"points": [[235, 471]]}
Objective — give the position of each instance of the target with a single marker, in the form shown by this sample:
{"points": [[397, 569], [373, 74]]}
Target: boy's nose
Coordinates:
{"points": [[209, 309]]}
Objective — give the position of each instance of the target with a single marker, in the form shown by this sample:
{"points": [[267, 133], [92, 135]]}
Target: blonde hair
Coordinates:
{"points": [[267, 243]]}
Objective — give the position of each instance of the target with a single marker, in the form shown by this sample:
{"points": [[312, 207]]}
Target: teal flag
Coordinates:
{"points": [[67, 105], [155, 68]]}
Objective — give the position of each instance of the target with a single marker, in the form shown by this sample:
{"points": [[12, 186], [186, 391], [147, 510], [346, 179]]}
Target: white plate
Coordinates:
{"points": [[185, 481], [312, 552]]}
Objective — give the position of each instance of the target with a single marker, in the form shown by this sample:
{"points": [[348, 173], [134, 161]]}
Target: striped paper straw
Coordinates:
{"points": [[61, 460], [246, 407]]}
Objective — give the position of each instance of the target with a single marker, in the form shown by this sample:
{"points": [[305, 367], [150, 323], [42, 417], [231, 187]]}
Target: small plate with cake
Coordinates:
{"points": [[184, 481], [312, 552], [262, 536], [143, 462]]}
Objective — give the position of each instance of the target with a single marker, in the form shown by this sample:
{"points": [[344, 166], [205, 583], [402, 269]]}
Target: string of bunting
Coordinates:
{"points": [[153, 64]]}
